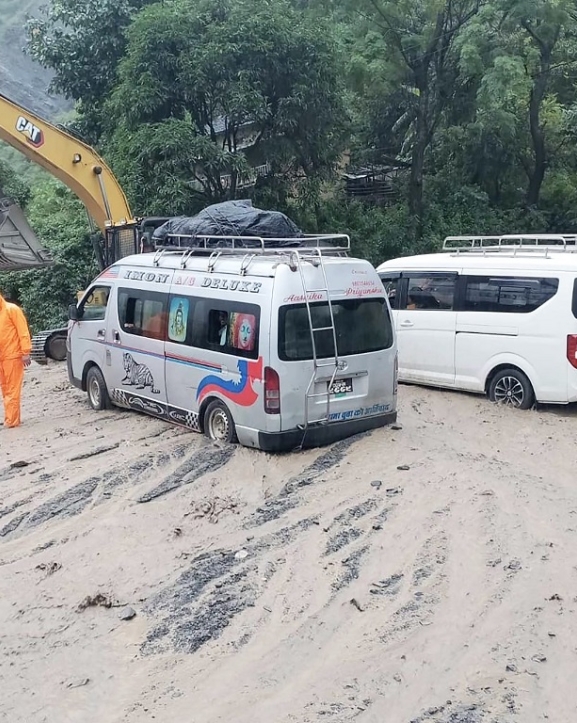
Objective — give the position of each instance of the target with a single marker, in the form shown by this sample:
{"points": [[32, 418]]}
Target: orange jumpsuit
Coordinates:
{"points": [[14, 345]]}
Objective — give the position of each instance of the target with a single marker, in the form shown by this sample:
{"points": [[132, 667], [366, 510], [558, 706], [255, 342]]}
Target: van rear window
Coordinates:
{"points": [[361, 325], [519, 295]]}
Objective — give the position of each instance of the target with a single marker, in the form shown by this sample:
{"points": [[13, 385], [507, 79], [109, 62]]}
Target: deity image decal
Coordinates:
{"points": [[177, 319], [243, 331]]}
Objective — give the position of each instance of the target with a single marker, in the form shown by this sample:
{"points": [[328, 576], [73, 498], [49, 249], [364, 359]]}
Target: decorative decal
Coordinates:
{"points": [[128, 400], [137, 375], [110, 273], [242, 331], [239, 392], [177, 319]]}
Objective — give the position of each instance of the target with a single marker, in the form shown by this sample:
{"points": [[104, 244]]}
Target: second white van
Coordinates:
{"points": [[493, 315]]}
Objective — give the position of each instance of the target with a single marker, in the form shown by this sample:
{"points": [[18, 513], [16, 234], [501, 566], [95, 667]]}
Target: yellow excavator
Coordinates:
{"points": [[79, 167]]}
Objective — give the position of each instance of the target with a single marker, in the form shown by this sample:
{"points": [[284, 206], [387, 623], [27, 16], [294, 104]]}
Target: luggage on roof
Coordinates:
{"points": [[235, 219]]}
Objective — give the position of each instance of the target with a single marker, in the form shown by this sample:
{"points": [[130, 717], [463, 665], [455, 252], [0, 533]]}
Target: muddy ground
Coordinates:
{"points": [[420, 575]]}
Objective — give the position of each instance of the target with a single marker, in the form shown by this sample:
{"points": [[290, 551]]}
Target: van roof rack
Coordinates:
{"points": [[512, 244], [309, 246]]}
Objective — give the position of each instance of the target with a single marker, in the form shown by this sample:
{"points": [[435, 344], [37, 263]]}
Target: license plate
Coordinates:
{"points": [[341, 387]]}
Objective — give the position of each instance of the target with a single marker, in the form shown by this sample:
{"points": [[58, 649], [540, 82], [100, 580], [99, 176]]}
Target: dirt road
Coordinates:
{"points": [[422, 575]]}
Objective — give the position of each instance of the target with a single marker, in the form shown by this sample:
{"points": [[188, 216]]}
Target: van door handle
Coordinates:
{"points": [[116, 337], [101, 333], [407, 324]]}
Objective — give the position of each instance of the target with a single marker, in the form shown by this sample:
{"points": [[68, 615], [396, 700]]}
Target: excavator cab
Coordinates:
{"points": [[20, 248]]}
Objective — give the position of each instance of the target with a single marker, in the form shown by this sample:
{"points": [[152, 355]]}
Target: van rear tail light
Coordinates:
{"points": [[271, 391], [572, 350]]}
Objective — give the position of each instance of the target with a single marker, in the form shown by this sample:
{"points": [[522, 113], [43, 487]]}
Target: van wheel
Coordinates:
{"points": [[96, 389], [218, 423], [511, 387]]}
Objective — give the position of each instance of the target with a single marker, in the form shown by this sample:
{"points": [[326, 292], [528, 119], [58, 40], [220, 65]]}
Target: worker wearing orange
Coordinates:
{"points": [[15, 346]]}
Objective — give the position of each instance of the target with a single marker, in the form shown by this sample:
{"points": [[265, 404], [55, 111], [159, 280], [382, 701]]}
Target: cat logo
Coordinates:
{"points": [[34, 135]]}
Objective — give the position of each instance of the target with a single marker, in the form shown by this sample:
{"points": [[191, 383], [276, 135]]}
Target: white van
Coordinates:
{"points": [[495, 315], [278, 348]]}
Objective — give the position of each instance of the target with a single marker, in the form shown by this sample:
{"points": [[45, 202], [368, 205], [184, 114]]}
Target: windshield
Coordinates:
{"points": [[361, 325]]}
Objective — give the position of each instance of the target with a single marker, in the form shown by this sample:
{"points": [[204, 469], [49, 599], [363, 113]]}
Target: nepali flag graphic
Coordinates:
{"points": [[239, 392]]}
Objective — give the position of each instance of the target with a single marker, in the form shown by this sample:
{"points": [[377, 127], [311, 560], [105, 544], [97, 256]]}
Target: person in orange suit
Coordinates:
{"points": [[15, 347]]}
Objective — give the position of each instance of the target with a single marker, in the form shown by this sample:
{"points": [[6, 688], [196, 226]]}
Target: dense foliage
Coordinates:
{"points": [[473, 102]]}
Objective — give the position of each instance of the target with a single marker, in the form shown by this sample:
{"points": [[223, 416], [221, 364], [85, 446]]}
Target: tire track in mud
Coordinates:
{"points": [[287, 499], [77, 498], [217, 587], [207, 459]]}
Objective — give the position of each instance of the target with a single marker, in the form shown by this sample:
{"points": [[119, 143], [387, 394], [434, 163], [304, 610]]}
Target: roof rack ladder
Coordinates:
{"points": [[333, 362]]}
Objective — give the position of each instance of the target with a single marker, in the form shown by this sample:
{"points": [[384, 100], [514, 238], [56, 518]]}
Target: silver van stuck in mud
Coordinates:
{"points": [[277, 348]]}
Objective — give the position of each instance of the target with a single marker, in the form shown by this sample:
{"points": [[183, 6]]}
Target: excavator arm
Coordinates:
{"points": [[70, 160]]}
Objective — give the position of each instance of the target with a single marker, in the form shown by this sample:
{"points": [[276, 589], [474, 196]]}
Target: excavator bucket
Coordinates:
{"points": [[19, 246]]}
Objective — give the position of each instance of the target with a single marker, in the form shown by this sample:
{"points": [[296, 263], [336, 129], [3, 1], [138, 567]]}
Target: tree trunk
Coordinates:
{"points": [[416, 201], [538, 91], [538, 138]]}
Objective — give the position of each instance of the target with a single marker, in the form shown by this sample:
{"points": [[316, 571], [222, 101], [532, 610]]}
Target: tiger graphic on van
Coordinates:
{"points": [[137, 375]]}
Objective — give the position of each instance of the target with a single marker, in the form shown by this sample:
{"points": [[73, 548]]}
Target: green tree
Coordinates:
{"points": [[82, 41], [411, 46], [208, 87]]}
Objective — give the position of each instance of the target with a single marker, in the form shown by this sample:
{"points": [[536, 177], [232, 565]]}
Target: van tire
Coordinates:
{"points": [[218, 423], [512, 388], [98, 397]]}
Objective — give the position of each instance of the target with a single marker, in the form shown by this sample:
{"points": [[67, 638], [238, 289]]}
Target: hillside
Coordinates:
{"points": [[414, 575], [21, 79]]}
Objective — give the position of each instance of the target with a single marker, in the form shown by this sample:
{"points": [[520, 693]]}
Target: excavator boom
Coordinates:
{"points": [[70, 160]]}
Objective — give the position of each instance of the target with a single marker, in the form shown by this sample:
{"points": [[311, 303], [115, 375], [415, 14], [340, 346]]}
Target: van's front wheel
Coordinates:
{"points": [[96, 389], [513, 388], [218, 423]]}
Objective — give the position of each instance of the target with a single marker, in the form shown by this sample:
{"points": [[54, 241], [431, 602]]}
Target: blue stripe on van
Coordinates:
{"points": [[177, 359]]}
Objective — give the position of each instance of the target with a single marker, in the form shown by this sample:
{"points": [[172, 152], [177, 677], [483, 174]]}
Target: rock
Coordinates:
{"points": [[377, 526], [241, 555], [356, 604], [393, 491], [396, 427], [539, 658], [376, 483], [19, 464], [403, 467], [127, 613], [511, 668]]}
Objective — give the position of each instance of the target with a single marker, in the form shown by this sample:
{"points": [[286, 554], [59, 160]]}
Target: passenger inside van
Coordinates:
{"points": [[421, 299]]}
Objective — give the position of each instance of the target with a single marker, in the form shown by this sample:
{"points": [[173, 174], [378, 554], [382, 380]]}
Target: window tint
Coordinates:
{"points": [[229, 327], [94, 305], [142, 313], [392, 290], [431, 291], [178, 319], [361, 325], [507, 294]]}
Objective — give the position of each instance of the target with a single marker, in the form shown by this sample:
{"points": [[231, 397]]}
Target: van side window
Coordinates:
{"points": [[94, 305], [229, 327], [391, 282], [431, 291], [178, 319], [142, 313], [514, 295]]}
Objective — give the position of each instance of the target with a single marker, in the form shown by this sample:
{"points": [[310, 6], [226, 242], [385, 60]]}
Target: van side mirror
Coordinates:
{"points": [[74, 313]]}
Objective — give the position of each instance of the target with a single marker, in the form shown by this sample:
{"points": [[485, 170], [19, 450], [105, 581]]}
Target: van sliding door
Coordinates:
{"points": [[426, 326]]}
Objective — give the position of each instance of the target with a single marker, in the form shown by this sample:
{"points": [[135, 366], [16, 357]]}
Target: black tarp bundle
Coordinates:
{"points": [[236, 219]]}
